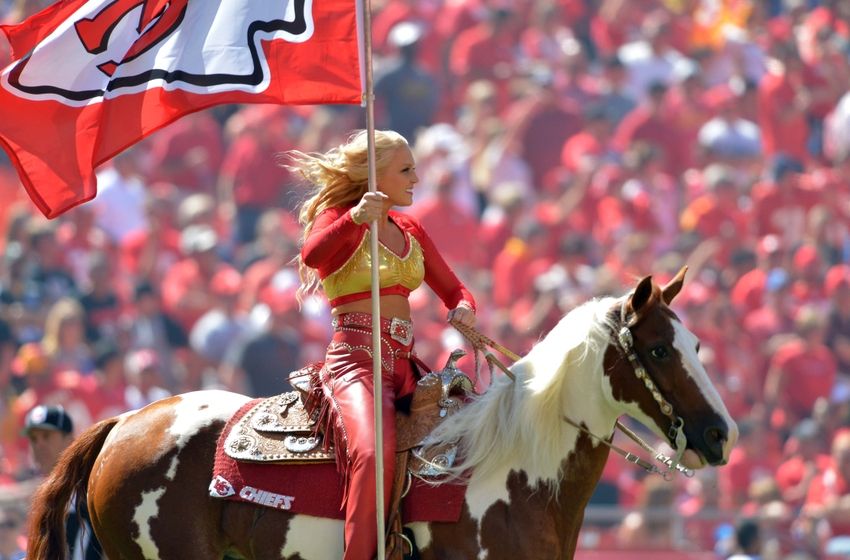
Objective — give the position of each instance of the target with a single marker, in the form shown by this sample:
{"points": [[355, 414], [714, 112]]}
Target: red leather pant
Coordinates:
{"points": [[347, 383]]}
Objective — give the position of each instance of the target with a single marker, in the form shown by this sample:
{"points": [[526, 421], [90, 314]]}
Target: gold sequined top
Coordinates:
{"points": [[399, 274]]}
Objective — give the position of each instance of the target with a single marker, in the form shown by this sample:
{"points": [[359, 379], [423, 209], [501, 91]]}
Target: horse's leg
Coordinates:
{"points": [[261, 533], [447, 541], [255, 532]]}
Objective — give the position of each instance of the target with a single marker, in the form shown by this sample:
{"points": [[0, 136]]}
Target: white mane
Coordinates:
{"points": [[520, 422]]}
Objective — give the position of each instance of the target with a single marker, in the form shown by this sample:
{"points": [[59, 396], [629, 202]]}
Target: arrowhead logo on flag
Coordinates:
{"points": [[100, 75]]}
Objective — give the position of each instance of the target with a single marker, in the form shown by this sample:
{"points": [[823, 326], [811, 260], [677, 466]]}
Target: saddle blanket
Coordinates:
{"points": [[316, 489]]}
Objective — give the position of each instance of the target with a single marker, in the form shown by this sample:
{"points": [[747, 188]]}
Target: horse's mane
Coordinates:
{"points": [[521, 422]]}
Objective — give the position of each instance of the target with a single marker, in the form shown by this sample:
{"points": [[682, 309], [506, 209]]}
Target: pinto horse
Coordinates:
{"points": [[145, 473]]}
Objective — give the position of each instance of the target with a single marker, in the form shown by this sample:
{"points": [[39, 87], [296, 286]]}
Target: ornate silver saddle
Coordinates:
{"points": [[280, 429]]}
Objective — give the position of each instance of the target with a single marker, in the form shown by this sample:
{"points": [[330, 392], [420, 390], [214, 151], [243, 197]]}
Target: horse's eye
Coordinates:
{"points": [[659, 352]]}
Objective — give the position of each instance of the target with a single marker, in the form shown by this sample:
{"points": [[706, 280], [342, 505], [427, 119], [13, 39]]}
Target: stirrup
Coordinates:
{"points": [[407, 541]]}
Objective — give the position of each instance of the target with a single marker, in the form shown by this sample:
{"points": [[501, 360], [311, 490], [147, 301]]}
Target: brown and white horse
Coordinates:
{"points": [[146, 473]]}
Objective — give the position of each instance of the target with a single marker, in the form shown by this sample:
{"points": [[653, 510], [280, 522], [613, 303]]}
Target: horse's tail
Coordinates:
{"points": [[50, 503]]}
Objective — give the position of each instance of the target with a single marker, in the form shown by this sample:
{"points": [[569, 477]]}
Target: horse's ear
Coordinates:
{"points": [[674, 286], [641, 297]]}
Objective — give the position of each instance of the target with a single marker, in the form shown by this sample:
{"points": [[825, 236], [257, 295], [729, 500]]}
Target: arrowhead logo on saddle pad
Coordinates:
{"points": [[221, 488]]}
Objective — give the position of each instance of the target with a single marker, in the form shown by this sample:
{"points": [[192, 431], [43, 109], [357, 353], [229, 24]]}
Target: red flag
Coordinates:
{"points": [[92, 77]]}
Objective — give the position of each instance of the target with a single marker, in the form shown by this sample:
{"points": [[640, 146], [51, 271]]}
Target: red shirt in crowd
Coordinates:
{"points": [[478, 52], [515, 268], [794, 470], [827, 487], [544, 124], [745, 466], [186, 293], [610, 29], [446, 224], [782, 209], [187, 153], [617, 216], [808, 371], [686, 108], [105, 401], [258, 180], [256, 278], [149, 254], [580, 146], [642, 124], [784, 129], [748, 291]]}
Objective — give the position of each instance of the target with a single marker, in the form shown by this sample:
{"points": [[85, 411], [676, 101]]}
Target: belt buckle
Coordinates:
{"points": [[401, 331]]}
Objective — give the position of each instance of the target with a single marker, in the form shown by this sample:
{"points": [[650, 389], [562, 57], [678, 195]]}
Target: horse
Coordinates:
{"points": [[530, 472]]}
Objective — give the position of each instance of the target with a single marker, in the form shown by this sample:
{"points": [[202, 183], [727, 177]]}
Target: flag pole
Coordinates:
{"points": [[377, 394]]}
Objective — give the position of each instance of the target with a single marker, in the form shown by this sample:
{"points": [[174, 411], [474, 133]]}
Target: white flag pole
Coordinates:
{"points": [[376, 292]]}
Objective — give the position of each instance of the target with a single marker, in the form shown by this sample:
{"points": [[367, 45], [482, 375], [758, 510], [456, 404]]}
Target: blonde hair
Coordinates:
{"points": [[60, 312], [340, 177]]}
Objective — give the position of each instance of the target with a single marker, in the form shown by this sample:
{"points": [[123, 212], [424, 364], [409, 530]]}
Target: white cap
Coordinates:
{"points": [[405, 33], [197, 239]]}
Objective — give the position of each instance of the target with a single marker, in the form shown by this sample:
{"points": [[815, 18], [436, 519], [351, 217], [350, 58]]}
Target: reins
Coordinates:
{"points": [[482, 343]]}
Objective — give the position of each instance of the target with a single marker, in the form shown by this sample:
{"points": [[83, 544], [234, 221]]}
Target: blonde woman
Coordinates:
{"points": [[335, 255], [64, 338]]}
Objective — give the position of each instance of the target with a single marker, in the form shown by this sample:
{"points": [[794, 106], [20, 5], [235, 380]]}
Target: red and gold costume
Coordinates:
{"points": [[338, 249]]}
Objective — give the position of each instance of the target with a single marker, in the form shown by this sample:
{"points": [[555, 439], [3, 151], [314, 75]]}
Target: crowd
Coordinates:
{"points": [[565, 148]]}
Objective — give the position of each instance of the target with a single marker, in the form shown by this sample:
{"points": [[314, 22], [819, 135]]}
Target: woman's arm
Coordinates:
{"points": [[332, 239]]}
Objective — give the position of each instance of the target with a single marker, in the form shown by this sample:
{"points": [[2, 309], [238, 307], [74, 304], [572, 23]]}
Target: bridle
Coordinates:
{"points": [[625, 343], [676, 431]]}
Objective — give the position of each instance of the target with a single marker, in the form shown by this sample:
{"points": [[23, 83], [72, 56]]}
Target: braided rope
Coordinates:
{"points": [[481, 344], [480, 341]]}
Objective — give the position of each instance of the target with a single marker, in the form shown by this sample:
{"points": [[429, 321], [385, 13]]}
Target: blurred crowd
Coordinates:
{"points": [[565, 148]]}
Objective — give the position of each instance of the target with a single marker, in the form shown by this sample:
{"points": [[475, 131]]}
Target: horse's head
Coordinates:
{"points": [[656, 375]]}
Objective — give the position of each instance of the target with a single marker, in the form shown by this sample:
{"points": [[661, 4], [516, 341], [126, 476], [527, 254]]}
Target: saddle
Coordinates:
{"points": [[285, 429], [280, 429]]}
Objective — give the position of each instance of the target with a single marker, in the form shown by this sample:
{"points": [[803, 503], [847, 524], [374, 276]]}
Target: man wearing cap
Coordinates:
{"points": [[408, 92], [50, 430]]}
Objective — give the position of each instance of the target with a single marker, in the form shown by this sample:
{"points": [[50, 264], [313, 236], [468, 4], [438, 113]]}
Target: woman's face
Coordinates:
{"points": [[70, 332], [397, 180]]}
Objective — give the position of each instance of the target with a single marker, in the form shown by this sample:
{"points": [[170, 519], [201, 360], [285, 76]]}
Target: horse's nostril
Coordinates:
{"points": [[715, 436]]}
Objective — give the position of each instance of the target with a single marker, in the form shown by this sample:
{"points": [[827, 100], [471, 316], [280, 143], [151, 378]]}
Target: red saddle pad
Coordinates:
{"points": [[316, 489]]}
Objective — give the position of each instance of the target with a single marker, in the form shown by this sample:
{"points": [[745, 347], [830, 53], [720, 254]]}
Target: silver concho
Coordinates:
{"points": [[265, 420], [241, 443], [435, 466], [297, 444]]}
